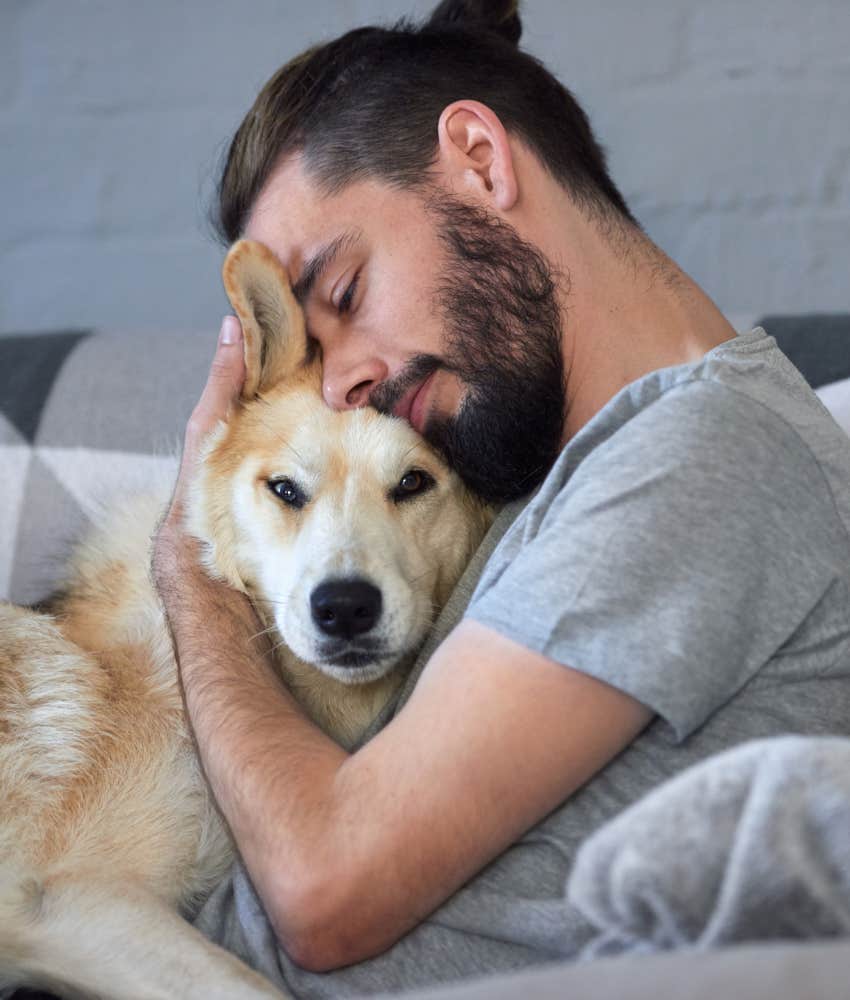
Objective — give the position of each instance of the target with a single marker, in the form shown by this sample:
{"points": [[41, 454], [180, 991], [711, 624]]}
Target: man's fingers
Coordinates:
{"points": [[224, 383]]}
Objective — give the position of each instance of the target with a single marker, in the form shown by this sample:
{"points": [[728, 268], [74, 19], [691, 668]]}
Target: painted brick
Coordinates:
{"points": [[725, 148], [836, 186], [120, 284], [727, 125], [145, 172], [592, 46], [779, 40], [54, 181], [117, 54], [10, 47], [787, 261]]}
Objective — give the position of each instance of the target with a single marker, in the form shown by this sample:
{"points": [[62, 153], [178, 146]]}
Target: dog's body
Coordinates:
{"points": [[345, 531]]}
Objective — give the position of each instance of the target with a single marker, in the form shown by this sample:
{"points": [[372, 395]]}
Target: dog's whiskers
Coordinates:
{"points": [[265, 631], [412, 448], [277, 645], [280, 438]]}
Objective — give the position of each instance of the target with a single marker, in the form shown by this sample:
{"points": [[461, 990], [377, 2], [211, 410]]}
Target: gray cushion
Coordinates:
{"points": [[817, 343], [757, 972]]}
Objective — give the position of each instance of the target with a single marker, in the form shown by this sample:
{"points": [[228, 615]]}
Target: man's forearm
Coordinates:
{"points": [[270, 768]]}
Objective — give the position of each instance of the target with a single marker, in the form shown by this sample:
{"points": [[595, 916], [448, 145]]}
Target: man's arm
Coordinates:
{"points": [[348, 852]]}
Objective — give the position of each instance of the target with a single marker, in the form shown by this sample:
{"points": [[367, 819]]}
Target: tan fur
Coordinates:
{"points": [[107, 827]]}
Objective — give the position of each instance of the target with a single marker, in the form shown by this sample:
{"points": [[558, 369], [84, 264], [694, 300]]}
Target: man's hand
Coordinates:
{"points": [[174, 553]]}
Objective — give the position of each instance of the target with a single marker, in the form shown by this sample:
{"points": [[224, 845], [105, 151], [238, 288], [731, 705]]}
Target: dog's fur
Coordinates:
{"points": [[107, 828]]}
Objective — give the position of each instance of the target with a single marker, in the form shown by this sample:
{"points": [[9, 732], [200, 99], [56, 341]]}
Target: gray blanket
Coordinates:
{"points": [[752, 844]]}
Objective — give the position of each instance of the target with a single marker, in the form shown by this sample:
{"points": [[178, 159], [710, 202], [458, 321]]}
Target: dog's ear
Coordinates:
{"points": [[272, 321]]}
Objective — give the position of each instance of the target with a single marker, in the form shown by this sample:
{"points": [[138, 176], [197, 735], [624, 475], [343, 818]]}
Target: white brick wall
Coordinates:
{"points": [[727, 125]]}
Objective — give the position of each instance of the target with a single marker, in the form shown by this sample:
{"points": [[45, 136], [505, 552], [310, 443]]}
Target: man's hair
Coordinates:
{"points": [[366, 105]]}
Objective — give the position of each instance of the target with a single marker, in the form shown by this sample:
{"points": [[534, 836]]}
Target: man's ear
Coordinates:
{"points": [[475, 154], [272, 321]]}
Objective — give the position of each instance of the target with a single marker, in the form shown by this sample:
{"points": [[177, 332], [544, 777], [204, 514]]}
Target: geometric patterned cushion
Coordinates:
{"points": [[83, 416]]}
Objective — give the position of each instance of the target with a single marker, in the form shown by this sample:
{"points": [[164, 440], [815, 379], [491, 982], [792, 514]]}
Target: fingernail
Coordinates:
{"points": [[230, 331]]}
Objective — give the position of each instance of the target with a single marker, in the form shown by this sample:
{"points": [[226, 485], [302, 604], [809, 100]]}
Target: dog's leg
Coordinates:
{"points": [[124, 945]]}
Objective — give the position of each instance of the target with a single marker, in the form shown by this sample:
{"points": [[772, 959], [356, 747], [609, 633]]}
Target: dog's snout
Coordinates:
{"points": [[346, 608]]}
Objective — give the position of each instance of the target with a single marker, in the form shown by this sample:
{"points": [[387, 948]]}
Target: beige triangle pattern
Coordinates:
{"points": [[836, 398], [96, 477], [14, 468]]}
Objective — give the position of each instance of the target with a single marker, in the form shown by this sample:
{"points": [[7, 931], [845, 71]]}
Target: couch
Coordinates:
{"points": [[85, 415]]}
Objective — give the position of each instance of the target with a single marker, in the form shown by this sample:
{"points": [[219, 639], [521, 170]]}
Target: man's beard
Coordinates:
{"points": [[497, 298]]}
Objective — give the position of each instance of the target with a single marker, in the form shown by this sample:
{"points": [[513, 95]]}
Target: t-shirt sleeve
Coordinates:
{"points": [[678, 558]]}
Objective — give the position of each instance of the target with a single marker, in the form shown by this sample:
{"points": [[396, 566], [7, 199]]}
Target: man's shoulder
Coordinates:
{"points": [[742, 410], [744, 390]]}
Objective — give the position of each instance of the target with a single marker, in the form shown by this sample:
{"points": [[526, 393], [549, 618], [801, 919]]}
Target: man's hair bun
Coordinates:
{"points": [[498, 16]]}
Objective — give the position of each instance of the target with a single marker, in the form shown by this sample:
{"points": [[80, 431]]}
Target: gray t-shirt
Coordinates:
{"points": [[690, 547]]}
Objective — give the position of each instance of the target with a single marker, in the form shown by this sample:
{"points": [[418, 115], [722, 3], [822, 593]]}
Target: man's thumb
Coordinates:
{"points": [[229, 361]]}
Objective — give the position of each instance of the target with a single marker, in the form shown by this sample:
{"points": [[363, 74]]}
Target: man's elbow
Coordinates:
{"points": [[317, 929], [312, 946]]}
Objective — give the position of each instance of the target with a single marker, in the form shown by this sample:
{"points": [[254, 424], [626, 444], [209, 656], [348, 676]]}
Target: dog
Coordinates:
{"points": [[345, 530]]}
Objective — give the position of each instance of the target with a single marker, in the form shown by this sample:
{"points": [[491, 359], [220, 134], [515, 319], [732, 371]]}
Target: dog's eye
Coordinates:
{"points": [[411, 484], [289, 492]]}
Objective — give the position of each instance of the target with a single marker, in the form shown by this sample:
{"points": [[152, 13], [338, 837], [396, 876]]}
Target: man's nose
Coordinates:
{"points": [[347, 385]]}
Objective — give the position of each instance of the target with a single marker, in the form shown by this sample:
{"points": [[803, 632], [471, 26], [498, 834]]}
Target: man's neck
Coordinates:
{"points": [[630, 312], [626, 308]]}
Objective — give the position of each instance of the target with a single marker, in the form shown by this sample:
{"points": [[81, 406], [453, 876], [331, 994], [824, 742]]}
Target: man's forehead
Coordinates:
{"points": [[289, 216], [299, 222]]}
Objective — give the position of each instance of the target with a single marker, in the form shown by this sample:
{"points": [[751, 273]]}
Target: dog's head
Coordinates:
{"points": [[346, 529]]}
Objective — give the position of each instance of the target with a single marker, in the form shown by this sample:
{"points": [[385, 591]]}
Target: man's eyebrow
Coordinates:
{"points": [[316, 266]]}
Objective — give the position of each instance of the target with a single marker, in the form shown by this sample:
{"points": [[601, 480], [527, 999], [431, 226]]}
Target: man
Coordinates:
{"points": [[465, 262]]}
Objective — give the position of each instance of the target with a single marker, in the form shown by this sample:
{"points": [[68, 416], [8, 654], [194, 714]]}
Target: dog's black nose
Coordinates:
{"points": [[345, 608]]}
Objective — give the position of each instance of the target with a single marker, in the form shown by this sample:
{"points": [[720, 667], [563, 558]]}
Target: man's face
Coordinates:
{"points": [[430, 309]]}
